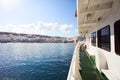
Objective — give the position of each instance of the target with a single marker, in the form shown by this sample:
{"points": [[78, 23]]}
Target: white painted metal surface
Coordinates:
{"points": [[93, 15], [74, 73]]}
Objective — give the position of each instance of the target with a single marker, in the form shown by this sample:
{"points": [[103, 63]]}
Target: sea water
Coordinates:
{"points": [[35, 61]]}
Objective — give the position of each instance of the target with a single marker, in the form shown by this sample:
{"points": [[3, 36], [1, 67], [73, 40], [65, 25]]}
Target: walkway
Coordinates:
{"points": [[89, 70]]}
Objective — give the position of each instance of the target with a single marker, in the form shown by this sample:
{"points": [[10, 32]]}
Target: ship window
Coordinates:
{"points": [[104, 38], [117, 37], [93, 38]]}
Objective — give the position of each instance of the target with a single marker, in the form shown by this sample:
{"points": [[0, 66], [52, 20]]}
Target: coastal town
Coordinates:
{"points": [[6, 37]]}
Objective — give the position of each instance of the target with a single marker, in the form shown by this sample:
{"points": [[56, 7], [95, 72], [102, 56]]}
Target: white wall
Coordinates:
{"points": [[103, 56]]}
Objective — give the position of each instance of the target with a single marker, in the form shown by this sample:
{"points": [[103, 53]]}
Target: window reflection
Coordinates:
{"points": [[104, 38], [93, 38]]}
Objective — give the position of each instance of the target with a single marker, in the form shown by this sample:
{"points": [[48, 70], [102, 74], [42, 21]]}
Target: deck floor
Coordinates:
{"points": [[89, 70]]}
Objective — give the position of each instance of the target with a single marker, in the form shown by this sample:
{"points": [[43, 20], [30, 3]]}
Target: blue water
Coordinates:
{"points": [[35, 61]]}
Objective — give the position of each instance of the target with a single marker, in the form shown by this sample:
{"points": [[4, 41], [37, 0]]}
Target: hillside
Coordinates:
{"points": [[29, 38]]}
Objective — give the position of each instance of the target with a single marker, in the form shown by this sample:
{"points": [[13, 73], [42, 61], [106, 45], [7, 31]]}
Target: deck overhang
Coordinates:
{"points": [[92, 12]]}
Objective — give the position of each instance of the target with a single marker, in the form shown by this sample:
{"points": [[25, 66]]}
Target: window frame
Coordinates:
{"points": [[106, 45], [117, 37], [93, 38]]}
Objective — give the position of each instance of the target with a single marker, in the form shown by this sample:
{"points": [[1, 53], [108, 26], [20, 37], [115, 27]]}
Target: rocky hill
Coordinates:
{"points": [[15, 37]]}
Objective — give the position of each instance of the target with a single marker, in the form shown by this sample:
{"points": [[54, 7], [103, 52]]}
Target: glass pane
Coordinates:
{"points": [[104, 38], [93, 38], [117, 37]]}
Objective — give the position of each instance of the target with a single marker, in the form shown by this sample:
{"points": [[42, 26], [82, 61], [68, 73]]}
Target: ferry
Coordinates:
{"points": [[98, 56]]}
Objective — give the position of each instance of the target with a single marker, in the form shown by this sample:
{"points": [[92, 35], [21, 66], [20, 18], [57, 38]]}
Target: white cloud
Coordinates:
{"points": [[66, 27], [42, 28], [47, 26]]}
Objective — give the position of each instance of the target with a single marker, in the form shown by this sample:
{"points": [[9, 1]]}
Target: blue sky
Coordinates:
{"points": [[45, 17]]}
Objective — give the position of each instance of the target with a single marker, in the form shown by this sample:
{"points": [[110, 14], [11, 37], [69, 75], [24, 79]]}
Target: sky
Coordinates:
{"points": [[44, 17]]}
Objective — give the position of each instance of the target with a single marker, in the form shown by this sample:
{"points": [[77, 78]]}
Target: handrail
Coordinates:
{"points": [[74, 73]]}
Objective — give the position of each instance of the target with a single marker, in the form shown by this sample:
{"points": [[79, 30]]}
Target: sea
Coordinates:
{"points": [[35, 61]]}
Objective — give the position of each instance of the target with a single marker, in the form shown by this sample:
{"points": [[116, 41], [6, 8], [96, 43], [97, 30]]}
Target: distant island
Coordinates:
{"points": [[6, 37]]}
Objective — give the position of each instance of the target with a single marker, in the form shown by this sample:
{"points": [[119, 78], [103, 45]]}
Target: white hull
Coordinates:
{"points": [[93, 15]]}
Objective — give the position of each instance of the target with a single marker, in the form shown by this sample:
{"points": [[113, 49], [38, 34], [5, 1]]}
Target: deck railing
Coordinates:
{"points": [[74, 73]]}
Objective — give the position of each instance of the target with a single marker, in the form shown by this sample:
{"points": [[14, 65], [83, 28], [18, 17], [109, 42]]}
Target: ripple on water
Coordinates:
{"points": [[35, 61]]}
